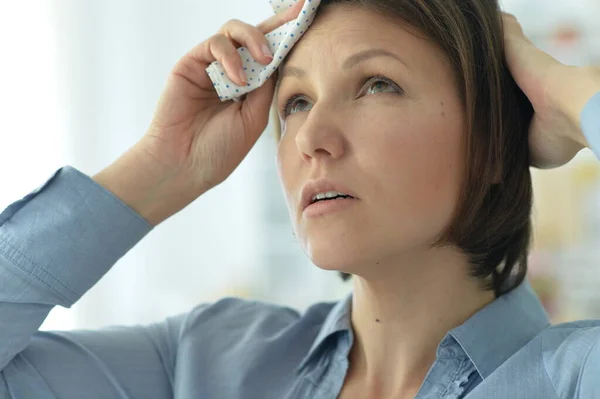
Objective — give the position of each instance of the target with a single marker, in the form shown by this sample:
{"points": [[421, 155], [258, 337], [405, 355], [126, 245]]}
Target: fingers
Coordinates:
{"points": [[282, 18], [253, 37], [222, 47], [511, 25], [250, 37]]}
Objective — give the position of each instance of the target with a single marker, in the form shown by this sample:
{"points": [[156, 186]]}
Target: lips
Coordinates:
{"points": [[315, 187]]}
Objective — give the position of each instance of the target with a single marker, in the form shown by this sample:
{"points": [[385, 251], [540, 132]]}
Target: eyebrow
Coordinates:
{"points": [[350, 62]]}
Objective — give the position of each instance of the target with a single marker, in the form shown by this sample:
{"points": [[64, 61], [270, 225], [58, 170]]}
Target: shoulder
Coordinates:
{"points": [[234, 347], [235, 320], [568, 342], [561, 361], [237, 312], [571, 356]]}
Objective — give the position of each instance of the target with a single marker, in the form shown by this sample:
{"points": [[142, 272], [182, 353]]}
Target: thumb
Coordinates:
{"points": [[255, 108]]}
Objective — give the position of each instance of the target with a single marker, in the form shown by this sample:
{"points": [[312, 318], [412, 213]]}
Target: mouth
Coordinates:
{"points": [[324, 192], [327, 206], [335, 198]]}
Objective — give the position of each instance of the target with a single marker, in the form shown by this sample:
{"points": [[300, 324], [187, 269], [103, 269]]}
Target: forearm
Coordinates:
{"points": [[152, 190]]}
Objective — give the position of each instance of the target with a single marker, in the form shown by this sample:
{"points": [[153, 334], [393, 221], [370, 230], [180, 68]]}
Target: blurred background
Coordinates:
{"points": [[79, 81]]}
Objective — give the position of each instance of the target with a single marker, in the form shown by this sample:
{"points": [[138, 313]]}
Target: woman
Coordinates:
{"points": [[404, 110]]}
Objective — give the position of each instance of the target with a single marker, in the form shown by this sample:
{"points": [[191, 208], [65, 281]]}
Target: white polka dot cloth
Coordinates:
{"points": [[281, 41]]}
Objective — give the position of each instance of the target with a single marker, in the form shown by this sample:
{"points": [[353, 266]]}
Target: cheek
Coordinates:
{"points": [[420, 154], [287, 168], [282, 167]]}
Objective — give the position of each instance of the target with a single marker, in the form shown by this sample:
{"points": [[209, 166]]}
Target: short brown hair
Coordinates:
{"points": [[492, 219]]}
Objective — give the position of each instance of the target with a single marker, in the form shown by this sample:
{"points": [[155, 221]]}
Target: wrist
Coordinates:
{"points": [[152, 190], [578, 86]]}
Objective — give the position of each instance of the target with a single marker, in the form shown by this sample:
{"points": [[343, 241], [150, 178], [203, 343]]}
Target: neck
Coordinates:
{"points": [[400, 314]]}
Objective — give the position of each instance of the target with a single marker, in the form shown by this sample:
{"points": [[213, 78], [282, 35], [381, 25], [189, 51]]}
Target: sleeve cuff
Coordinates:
{"points": [[64, 236], [590, 124]]}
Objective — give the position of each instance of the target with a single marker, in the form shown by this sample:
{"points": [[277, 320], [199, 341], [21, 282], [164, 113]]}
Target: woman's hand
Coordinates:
{"points": [[192, 130], [195, 140], [557, 92]]}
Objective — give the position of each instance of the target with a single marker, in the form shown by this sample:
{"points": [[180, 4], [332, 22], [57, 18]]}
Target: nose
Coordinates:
{"points": [[321, 136]]}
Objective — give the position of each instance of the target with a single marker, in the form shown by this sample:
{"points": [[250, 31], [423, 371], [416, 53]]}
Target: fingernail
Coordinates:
{"points": [[266, 51], [243, 76]]}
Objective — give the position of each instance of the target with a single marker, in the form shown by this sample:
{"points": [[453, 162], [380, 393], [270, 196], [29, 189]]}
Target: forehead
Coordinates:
{"points": [[341, 29]]}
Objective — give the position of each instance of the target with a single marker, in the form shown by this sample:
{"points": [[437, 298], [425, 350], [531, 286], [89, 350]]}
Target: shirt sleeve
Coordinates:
{"points": [[589, 384], [590, 124], [55, 244]]}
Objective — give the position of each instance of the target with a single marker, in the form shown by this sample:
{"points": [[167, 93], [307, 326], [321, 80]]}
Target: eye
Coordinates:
{"points": [[291, 105], [375, 85], [381, 84]]}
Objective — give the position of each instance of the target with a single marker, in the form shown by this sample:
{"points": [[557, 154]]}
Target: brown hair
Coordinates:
{"points": [[492, 220]]}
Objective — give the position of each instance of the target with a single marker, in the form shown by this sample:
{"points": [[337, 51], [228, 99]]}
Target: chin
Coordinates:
{"points": [[354, 251], [339, 253]]}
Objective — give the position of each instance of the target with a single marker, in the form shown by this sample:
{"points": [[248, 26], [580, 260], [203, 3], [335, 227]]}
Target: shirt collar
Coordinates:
{"points": [[488, 338], [500, 329], [337, 320]]}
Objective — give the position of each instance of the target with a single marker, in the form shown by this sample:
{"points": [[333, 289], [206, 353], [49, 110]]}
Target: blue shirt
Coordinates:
{"points": [[58, 241]]}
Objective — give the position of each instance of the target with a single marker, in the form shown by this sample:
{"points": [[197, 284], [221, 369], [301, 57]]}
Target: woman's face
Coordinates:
{"points": [[375, 110]]}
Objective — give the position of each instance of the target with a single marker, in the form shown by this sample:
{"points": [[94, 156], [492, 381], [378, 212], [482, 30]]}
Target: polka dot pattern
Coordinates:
{"points": [[281, 41]]}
